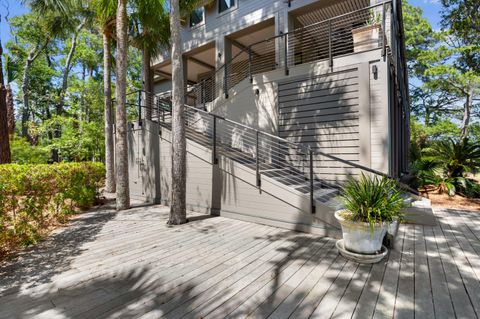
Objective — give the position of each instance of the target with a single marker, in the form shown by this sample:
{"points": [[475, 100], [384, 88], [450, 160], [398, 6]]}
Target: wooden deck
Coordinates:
{"points": [[130, 264]]}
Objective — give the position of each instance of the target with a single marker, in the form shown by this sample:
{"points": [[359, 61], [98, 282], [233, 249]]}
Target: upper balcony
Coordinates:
{"points": [[323, 30]]}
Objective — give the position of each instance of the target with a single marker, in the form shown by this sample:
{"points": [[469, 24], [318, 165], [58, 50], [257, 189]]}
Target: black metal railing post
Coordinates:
{"points": [[257, 159], [384, 42], [214, 141], [285, 52], [250, 64], [225, 80], [330, 54], [203, 94], [163, 113], [139, 107], [312, 200]]}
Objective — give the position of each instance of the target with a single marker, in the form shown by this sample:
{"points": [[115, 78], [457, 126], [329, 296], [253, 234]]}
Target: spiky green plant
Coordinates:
{"points": [[372, 200], [448, 162], [455, 156]]}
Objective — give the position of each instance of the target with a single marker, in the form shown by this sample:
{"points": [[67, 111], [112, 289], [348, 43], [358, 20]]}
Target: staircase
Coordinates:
{"points": [[273, 165], [268, 164]]}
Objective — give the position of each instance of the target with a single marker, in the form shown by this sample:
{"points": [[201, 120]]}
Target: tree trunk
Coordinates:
{"points": [[467, 108], [107, 105], [121, 149], [147, 83], [178, 214], [67, 67], [10, 111], [4, 139], [63, 92], [26, 96], [427, 116], [26, 109]]}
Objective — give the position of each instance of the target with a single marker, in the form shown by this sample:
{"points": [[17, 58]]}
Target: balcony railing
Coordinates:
{"points": [[325, 40], [294, 166]]}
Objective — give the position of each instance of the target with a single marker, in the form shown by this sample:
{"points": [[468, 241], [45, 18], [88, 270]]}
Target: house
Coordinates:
{"points": [[285, 100]]}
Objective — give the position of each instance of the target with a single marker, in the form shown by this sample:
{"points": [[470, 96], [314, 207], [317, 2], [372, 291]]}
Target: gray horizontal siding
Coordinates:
{"points": [[323, 113], [199, 177]]}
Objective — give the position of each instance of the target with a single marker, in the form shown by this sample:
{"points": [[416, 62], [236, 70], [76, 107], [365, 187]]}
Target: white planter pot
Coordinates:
{"points": [[366, 38], [358, 237]]}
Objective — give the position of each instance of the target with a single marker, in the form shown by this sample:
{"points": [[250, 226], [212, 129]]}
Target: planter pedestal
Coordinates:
{"points": [[361, 258]]}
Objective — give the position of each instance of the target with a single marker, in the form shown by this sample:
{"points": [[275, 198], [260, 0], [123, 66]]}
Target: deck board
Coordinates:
{"points": [[109, 264], [423, 289]]}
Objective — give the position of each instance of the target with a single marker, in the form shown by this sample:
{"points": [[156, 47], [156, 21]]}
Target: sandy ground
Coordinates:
{"points": [[456, 202]]}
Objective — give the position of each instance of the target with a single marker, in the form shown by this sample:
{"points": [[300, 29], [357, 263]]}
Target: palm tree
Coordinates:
{"points": [[121, 149], [178, 213], [105, 13], [150, 34]]}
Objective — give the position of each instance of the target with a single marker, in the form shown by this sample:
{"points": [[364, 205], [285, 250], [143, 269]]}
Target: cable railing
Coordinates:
{"points": [[292, 166], [325, 40]]}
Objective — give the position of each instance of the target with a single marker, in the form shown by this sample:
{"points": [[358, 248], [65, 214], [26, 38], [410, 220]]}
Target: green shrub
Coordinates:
{"points": [[32, 197], [372, 199], [25, 153], [445, 163]]}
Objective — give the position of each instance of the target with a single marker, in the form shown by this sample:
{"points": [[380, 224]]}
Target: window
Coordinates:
{"points": [[224, 5], [197, 16]]}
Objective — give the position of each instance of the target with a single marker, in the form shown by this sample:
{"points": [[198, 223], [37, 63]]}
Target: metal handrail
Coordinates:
{"points": [[200, 87], [252, 137]]}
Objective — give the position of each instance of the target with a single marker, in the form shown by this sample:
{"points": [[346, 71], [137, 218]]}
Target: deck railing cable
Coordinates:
{"points": [[292, 165], [324, 40]]}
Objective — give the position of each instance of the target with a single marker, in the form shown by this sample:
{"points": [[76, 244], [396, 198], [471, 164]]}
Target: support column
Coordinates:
{"points": [[223, 53], [281, 27], [185, 76], [364, 114]]}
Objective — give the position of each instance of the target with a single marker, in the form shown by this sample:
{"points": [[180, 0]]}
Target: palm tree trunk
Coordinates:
{"points": [[178, 200], [107, 105], [121, 150], [10, 111], [147, 83]]}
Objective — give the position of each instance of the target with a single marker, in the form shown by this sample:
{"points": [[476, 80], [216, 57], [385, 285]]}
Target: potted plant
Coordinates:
{"points": [[371, 206], [367, 37]]}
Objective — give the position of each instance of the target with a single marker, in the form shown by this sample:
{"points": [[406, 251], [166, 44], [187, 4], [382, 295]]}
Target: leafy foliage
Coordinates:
{"points": [[33, 197], [372, 200], [444, 81], [445, 164], [25, 153], [456, 157]]}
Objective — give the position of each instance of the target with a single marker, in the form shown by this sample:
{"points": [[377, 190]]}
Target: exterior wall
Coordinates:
{"points": [[199, 174], [363, 139], [245, 14], [227, 188], [143, 162], [162, 86], [380, 105]]}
